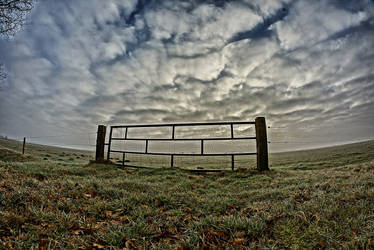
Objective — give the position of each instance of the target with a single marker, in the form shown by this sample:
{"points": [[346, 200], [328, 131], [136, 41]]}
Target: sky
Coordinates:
{"points": [[307, 66]]}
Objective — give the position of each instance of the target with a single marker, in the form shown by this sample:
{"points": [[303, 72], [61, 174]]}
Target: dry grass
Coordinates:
{"points": [[62, 203]]}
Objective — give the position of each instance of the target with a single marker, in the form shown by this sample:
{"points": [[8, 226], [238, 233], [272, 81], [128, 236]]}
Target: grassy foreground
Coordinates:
{"points": [[52, 198]]}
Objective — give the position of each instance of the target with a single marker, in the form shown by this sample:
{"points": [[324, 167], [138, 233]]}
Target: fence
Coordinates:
{"points": [[82, 139], [261, 141], [81, 145]]}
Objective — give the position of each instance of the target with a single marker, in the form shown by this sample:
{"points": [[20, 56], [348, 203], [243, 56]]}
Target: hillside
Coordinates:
{"points": [[319, 198]]}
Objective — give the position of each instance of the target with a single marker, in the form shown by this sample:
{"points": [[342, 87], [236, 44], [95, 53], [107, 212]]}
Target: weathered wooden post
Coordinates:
{"points": [[23, 146], [100, 143], [262, 144]]}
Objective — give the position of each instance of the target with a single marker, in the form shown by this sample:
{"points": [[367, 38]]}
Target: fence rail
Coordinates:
{"points": [[184, 139], [182, 124], [261, 141]]}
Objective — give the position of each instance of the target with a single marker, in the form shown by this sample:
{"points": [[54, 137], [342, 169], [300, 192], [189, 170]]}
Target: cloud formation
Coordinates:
{"points": [[305, 65]]}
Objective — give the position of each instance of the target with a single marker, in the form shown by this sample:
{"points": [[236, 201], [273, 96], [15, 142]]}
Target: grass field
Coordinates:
{"points": [[53, 198]]}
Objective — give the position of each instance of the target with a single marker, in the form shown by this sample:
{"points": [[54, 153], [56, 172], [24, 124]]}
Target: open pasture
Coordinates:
{"points": [[52, 197]]}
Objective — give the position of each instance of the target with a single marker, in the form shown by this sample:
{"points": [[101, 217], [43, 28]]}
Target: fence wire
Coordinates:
{"points": [[85, 136]]}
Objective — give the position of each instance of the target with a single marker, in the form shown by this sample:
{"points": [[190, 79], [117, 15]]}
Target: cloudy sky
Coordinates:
{"points": [[307, 66]]}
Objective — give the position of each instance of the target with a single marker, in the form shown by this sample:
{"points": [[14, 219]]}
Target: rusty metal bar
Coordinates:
{"points": [[182, 154], [181, 124], [109, 143], [185, 139], [188, 170]]}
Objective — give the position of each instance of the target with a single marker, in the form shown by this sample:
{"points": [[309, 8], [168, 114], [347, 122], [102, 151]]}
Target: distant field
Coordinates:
{"points": [[53, 197], [308, 159]]}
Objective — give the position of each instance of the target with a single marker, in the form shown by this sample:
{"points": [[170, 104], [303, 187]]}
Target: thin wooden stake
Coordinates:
{"points": [[23, 146], [232, 162]]}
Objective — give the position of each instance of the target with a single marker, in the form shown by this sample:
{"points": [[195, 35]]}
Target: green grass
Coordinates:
{"points": [[310, 199]]}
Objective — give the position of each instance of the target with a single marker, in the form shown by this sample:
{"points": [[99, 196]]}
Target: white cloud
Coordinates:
{"points": [[309, 22], [244, 56]]}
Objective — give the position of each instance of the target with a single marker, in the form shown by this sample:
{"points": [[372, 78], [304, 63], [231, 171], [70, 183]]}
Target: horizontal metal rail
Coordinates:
{"points": [[184, 169], [181, 154], [182, 124], [185, 139]]}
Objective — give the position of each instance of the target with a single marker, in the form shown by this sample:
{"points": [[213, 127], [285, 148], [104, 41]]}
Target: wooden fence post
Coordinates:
{"points": [[23, 146], [100, 143], [262, 144]]}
